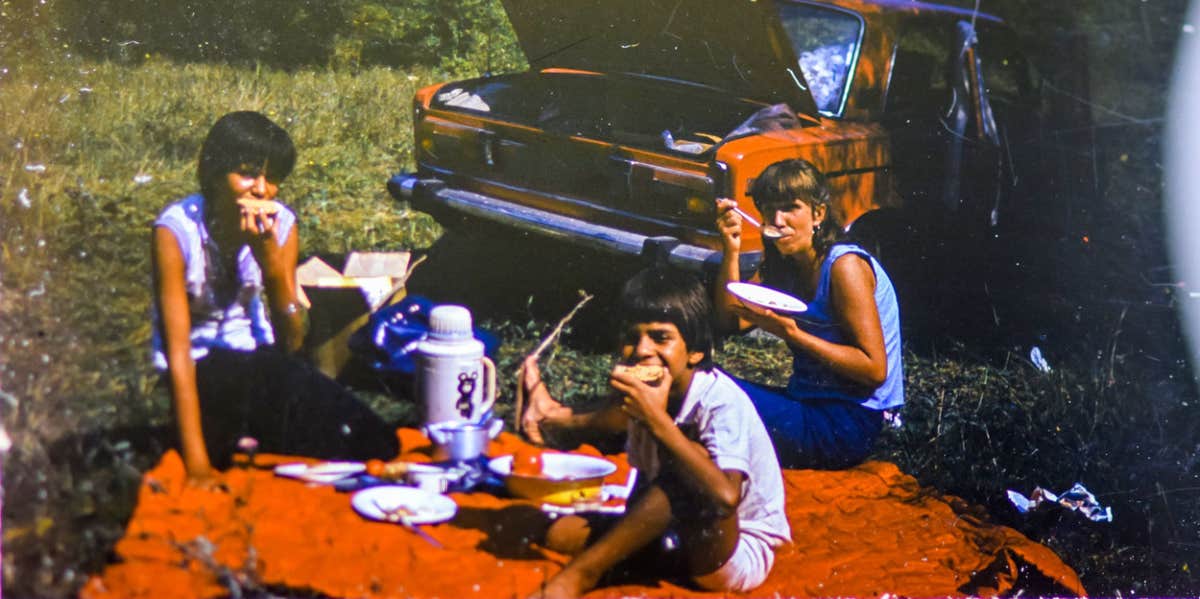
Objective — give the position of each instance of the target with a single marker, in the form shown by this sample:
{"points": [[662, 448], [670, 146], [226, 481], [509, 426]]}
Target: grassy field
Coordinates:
{"points": [[89, 153]]}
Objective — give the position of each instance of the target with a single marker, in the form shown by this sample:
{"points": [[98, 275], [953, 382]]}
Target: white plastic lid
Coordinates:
{"points": [[449, 323]]}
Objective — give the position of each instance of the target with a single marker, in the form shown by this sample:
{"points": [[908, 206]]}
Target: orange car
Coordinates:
{"points": [[635, 116]]}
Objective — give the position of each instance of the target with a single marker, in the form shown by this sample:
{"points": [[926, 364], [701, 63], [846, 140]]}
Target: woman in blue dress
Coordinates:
{"points": [[846, 354]]}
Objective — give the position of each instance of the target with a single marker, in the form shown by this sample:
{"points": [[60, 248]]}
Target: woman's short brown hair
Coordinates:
{"points": [[786, 181]]}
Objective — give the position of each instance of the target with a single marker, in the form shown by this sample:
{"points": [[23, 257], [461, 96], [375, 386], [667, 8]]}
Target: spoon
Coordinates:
{"points": [[768, 231]]}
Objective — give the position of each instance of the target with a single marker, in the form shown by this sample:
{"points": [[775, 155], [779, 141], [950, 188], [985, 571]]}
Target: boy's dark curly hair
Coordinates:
{"points": [[664, 294]]}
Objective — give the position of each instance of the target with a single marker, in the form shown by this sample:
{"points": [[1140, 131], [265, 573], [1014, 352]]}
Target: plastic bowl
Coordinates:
{"points": [[567, 478]]}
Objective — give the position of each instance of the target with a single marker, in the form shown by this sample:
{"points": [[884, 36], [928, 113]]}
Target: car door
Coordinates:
{"points": [[957, 110], [945, 138]]}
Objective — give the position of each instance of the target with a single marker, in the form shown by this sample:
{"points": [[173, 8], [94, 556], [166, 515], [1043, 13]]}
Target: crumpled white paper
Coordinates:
{"points": [[1077, 498], [1039, 361]]}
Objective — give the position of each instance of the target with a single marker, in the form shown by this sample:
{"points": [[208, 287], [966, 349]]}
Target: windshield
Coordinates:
{"points": [[826, 42]]}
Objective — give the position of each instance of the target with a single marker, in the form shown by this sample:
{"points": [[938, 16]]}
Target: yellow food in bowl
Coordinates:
{"points": [[568, 492], [566, 478]]}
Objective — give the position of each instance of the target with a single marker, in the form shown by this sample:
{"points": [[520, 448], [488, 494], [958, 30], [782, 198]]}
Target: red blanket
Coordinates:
{"points": [[867, 531]]}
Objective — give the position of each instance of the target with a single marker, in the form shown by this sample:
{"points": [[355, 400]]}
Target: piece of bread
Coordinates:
{"points": [[387, 470], [266, 206], [644, 373]]}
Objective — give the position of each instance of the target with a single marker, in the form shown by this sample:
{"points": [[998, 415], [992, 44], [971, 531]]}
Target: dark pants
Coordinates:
{"points": [[288, 406], [815, 433]]}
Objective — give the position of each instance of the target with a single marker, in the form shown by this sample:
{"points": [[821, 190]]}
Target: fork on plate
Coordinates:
{"points": [[398, 515]]}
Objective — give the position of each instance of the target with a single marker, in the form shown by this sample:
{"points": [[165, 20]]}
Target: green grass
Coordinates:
{"points": [[81, 401], [74, 234], [76, 221]]}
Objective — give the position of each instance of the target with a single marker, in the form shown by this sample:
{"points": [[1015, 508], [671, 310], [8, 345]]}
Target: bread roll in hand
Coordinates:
{"points": [[649, 374], [259, 206]]}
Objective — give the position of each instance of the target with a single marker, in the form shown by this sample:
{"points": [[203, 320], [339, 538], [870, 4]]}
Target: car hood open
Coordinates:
{"points": [[735, 45]]}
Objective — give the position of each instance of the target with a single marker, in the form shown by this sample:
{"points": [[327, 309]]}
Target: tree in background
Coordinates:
{"points": [[457, 36], [460, 36]]}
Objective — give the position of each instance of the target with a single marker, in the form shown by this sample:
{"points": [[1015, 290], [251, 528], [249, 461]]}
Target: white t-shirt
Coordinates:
{"points": [[243, 323], [718, 414]]}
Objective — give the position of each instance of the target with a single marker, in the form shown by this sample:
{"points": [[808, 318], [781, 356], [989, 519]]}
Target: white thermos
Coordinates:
{"points": [[455, 381]]}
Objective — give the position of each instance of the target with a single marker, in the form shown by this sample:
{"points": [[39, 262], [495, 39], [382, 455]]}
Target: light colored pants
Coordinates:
{"points": [[744, 570]]}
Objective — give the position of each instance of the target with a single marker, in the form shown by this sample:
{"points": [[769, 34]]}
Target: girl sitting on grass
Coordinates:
{"points": [[223, 260], [846, 361]]}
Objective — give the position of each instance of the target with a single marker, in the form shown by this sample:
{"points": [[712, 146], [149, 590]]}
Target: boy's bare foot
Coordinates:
{"points": [[539, 412], [539, 405], [568, 584], [569, 534]]}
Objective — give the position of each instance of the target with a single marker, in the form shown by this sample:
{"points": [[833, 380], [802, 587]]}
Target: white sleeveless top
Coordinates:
{"points": [[240, 325]]}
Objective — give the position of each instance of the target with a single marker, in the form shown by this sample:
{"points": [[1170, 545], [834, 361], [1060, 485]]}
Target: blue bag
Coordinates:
{"points": [[388, 342]]}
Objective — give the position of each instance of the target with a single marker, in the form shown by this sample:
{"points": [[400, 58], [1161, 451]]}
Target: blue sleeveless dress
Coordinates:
{"points": [[821, 420]]}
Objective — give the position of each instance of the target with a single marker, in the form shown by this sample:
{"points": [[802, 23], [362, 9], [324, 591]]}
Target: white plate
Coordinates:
{"points": [[560, 466], [325, 473], [424, 507], [766, 297]]}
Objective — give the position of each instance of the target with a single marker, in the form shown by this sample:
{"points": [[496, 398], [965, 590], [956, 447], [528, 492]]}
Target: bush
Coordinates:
{"points": [[471, 36], [468, 36]]}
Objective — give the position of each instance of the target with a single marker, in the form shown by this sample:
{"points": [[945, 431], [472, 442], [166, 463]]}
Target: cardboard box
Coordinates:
{"points": [[341, 301]]}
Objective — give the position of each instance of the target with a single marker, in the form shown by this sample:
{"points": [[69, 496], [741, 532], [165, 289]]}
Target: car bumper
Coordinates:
{"points": [[434, 197]]}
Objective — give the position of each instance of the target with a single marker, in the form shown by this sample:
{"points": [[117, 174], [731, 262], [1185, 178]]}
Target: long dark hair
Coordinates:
{"points": [[781, 184], [238, 140], [244, 139]]}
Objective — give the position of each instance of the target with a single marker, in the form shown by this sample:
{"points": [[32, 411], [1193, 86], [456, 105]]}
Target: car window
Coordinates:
{"points": [[1009, 75], [919, 72], [922, 63], [827, 43]]}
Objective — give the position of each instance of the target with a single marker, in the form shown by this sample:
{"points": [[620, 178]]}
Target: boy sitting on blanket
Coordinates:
{"points": [[708, 470]]}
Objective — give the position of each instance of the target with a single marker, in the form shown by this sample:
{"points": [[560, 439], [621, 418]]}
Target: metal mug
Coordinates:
{"points": [[462, 441], [432, 479]]}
